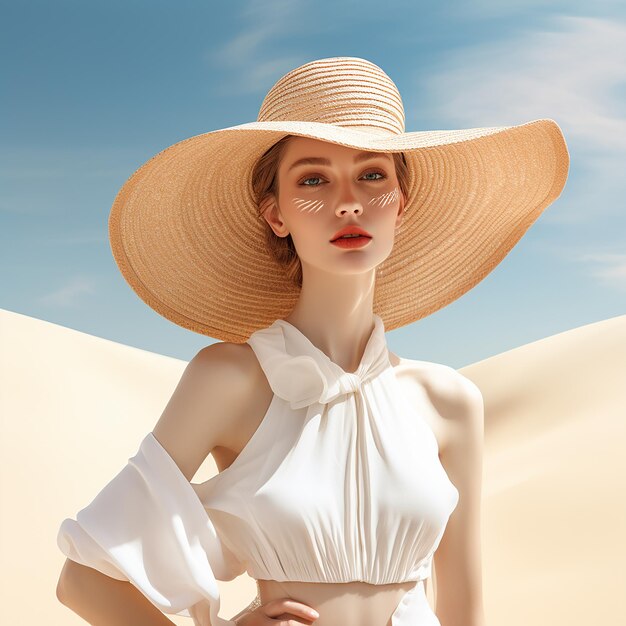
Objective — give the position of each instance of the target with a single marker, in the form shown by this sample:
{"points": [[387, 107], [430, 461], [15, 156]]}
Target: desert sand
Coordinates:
{"points": [[74, 408]]}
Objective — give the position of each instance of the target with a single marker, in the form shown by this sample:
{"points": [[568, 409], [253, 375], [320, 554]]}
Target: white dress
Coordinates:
{"points": [[340, 482]]}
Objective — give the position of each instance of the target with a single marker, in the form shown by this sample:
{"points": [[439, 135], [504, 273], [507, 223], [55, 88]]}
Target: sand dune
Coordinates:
{"points": [[75, 407]]}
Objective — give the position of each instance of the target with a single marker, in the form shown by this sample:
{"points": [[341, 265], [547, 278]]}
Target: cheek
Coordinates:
{"points": [[388, 198], [308, 206]]}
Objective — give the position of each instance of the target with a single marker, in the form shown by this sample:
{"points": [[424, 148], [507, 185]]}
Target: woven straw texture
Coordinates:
{"points": [[185, 231]]}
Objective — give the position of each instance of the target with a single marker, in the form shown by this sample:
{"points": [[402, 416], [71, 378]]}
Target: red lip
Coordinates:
{"points": [[351, 230]]}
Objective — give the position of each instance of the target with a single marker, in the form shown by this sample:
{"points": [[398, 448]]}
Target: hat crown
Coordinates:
{"points": [[344, 91]]}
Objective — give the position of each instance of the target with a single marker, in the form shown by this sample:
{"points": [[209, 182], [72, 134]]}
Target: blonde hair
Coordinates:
{"points": [[265, 184]]}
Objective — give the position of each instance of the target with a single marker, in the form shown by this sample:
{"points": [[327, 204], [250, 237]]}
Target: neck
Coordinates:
{"points": [[335, 312]]}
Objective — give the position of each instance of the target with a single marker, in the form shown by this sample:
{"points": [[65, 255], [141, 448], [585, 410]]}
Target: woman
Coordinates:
{"points": [[346, 472]]}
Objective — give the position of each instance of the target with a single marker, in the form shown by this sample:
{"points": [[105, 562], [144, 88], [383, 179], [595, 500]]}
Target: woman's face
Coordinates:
{"points": [[317, 199]]}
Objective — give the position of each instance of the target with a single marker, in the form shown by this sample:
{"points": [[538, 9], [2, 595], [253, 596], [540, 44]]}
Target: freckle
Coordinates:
{"points": [[386, 198], [309, 205]]}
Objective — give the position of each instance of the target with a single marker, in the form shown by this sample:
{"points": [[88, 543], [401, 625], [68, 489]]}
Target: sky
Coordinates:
{"points": [[90, 91]]}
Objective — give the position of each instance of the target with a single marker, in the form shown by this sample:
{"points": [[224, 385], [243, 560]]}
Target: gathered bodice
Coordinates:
{"points": [[341, 481]]}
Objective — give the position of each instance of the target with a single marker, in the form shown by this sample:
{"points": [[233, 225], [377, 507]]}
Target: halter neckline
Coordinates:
{"points": [[299, 372], [376, 329]]}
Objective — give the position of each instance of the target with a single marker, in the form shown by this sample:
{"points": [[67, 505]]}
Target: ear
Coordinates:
{"points": [[273, 216]]}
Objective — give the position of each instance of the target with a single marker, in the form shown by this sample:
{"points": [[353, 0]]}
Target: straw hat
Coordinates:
{"points": [[186, 233]]}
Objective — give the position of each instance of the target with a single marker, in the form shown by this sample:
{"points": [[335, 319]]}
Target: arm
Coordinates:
{"points": [[145, 495], [104, 601], [458, 568]]}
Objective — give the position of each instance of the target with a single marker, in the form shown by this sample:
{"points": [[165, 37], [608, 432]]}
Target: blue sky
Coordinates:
{"points": [[93, 90]]}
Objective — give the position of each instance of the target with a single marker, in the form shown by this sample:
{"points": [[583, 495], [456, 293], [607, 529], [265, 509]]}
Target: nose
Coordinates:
{"points": [[348, 203], [353, 207]]}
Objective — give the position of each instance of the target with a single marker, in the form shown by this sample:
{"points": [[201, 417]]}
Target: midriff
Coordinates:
{"points": [[340, 604]]}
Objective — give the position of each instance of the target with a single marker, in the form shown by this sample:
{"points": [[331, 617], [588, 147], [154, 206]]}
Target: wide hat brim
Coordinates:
{"points": [[186, 235]]}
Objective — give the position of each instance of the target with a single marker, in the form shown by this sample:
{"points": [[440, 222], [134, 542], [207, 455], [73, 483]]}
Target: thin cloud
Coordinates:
{"points": [[250, 55], [69, 294], [610, 269], [572, 72], [607, 267]]}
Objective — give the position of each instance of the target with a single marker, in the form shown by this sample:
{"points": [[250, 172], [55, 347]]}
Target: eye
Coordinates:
{"points": [[382, 176], [303, 182]]}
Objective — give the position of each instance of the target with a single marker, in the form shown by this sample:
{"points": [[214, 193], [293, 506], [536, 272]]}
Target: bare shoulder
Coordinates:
{"points": [[456, 400], [208, 402]]}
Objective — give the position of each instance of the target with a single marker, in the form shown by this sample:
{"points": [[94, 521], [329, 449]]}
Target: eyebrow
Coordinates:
{"points": [[361, 156]]}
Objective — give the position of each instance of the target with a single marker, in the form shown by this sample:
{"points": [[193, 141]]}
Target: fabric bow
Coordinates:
{"points": [[302, 374]]}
